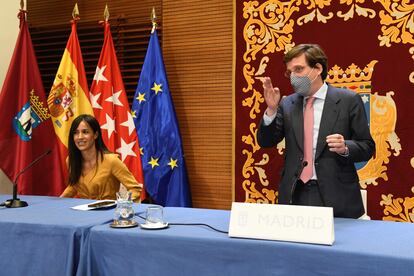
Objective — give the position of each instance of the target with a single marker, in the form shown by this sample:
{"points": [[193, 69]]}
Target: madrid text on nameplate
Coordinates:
{"points": [[293, 223]]}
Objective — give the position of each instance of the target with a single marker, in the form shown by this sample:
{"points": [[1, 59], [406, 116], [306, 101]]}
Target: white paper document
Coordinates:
{"points": [[99, 204]]}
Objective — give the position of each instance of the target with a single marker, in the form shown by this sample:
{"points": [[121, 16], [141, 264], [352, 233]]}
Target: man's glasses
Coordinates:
{"points": [[297, 70]]}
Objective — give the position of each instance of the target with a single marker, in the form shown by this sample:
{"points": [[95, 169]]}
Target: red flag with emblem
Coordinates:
{"points": [[111, 108], [26, 131]]}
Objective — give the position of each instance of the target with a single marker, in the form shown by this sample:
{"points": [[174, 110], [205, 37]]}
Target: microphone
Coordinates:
{"points": [[15, 202], [297, 175]]}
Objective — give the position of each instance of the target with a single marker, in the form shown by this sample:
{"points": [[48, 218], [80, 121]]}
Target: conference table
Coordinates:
{"points": [[49, 238]]}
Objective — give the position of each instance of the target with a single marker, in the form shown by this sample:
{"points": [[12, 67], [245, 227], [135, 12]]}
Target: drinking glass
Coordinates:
{"points": [[154, 215]]}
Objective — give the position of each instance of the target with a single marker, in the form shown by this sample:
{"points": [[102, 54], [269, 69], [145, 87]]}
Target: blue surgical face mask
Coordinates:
{"points": [[301, 84]]}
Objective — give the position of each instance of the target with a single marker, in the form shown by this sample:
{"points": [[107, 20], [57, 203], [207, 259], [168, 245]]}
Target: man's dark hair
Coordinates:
{"points": [[313, 54]]}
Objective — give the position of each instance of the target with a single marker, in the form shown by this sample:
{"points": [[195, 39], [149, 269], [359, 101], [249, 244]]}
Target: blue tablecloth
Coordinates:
{"points": [[47, 237], [361, 248]]}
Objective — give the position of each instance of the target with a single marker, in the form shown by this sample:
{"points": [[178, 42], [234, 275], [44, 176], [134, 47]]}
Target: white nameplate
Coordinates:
{"points": [[282, 222]]}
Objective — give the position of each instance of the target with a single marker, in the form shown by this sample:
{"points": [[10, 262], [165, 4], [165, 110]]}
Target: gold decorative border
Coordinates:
{"points": [[269, 28]]}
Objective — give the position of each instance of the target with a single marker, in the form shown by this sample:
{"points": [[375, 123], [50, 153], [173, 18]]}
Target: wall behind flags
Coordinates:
{"points": [[197, 49], [8, 36], [196, 38]]}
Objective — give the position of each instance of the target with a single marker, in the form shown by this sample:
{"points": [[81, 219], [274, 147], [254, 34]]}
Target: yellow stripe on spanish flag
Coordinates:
{"points": [[68, 97]]}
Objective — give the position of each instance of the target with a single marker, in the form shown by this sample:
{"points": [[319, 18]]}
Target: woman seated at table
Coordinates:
{"points": [[95, 172]]}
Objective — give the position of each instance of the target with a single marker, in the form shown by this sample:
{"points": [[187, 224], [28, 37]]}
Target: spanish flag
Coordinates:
{"points": [[68, 96]]}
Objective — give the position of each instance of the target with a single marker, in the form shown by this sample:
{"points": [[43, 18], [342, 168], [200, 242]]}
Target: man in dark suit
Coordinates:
{"points": [[320, 154]]}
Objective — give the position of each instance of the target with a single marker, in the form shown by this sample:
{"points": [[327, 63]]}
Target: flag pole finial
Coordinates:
{"points": [[22, 13], [75, 12], [106, 13], [153, 20]]}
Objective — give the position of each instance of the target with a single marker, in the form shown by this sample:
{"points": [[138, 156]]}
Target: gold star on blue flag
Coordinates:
{"points": [[166, 177]]}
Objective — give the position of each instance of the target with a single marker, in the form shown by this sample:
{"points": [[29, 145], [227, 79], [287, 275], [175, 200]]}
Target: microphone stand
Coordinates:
{"points": [[16, 202], [302, 166]]}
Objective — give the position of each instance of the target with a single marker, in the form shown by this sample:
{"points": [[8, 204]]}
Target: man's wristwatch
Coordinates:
{"points": [[346, 153]]}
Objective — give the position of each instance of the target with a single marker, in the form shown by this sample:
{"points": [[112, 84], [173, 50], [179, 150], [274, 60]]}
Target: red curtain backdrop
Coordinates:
{"points": [[370, 47]]}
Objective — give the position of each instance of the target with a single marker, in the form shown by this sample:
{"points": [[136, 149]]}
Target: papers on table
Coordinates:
{"points": [[99, 204]]}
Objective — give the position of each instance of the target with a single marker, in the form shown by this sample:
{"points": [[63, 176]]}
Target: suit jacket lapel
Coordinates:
{"points": [[329, 117], [297, 120]]}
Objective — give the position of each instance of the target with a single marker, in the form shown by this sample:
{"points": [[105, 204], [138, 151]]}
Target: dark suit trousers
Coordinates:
{"points": [[307, 194]]}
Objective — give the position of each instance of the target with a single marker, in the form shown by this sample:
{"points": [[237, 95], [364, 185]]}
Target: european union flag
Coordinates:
{"points": [[163, 161]]}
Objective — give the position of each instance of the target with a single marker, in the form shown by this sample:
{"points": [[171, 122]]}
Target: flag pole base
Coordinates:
{"points": [[15, 203]]}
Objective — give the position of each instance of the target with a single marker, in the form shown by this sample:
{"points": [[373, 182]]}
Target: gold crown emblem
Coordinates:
{"points": [[37, 106], [353, 77]]}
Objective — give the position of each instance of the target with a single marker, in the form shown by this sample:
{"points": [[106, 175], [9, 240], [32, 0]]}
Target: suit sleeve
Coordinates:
{"points": [[270, 135], [361, 145]]}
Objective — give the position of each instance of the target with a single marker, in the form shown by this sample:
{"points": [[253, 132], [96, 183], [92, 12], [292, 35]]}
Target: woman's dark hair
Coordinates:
{"points": [[75, 156], [313, 54]]}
